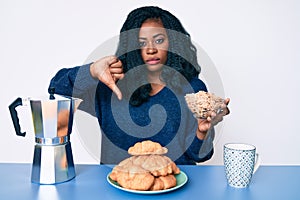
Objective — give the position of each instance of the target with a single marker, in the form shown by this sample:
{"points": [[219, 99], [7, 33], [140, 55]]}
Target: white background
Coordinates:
{"points": [[254, 45]]}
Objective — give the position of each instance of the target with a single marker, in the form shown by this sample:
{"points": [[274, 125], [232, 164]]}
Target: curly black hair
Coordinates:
{"points": [[182, 54]]}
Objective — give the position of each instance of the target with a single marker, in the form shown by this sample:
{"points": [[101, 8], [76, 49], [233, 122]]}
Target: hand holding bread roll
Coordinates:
{"points": [[203, 103]]}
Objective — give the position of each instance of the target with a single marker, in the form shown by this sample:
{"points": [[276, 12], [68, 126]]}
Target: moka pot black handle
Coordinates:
{"points": [[14, 116]]}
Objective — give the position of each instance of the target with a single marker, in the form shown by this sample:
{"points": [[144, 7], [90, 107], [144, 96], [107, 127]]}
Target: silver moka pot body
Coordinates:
{"points": [[52, 123]]}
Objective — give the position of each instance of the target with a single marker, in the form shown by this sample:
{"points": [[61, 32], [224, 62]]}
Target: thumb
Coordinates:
{"points": [[116, 90]]}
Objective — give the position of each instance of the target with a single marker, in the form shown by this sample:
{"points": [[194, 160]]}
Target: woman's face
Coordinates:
{"points": [[154, 43]]}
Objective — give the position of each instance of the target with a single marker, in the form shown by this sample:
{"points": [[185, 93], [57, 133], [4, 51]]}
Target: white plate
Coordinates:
{"points": [[181, 179]]}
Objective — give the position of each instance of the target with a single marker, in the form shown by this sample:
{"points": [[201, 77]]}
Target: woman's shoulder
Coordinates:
{"points": [[196, 85]]}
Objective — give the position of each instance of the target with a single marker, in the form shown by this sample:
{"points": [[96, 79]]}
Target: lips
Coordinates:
{"points": [[153, 61]]}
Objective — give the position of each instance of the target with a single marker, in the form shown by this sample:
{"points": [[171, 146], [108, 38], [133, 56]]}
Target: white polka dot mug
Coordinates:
{"points": [[241, 161]]}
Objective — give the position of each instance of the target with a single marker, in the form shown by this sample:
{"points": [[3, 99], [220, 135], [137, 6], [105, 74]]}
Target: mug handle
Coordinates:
{"points": [[257, 163]]}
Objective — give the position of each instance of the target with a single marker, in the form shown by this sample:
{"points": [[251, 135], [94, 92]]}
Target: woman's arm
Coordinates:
{"points": [[202, 135], [198, 150], [82, 82], [77, 82]]}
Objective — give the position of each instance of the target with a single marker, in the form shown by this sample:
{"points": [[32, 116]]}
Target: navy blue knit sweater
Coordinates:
{"points": [[164, 118]]}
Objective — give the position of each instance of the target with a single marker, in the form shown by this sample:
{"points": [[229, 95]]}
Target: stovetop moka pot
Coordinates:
{"points": [[52, 122]]}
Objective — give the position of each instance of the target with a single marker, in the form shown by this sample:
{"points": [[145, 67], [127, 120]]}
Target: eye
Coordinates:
{"points": [[159, 41], [142, 44]]}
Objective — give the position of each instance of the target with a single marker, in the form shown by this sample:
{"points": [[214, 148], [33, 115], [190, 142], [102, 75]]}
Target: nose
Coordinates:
{"points": [[151, 48]]}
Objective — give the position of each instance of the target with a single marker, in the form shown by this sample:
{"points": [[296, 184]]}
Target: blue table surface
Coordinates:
{"points": [[204, 182]]}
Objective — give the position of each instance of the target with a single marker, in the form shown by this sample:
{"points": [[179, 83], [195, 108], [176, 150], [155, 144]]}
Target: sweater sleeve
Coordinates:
{"points": [[77, 82], [198, 150], [202, 150]]}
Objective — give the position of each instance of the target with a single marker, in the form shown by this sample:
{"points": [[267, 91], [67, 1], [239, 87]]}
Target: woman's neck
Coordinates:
{"points": [[156, 88], [156, 83]]}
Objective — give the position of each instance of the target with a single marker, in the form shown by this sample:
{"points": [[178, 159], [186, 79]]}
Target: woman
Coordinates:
{"points": [[139, 93]]}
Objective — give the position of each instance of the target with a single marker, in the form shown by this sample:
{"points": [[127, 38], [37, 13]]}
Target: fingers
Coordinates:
{"points": [[226, 109], [214, 117], [116, 70], [204, 124], [100, 67], [117, 77], [115, 62], [217, 119], [227, 101], [110, 60]]}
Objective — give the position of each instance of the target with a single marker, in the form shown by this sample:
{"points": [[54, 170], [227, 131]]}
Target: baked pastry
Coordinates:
{"points": [[135, 181], [147, 147], [146, 171], [201, 103], [164, 182], [160, 165]]}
